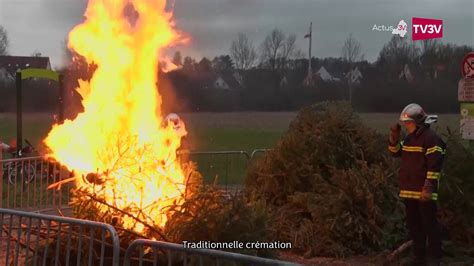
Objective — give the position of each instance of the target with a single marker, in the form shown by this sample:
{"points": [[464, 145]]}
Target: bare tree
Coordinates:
{"points": [[399, 51], [289, 46], [429, 45], [429, 56], [271, 47], [288, 50], [243, 52], [277, 49], [298, 54], [351, 53], [351, 50], [3, 41]]}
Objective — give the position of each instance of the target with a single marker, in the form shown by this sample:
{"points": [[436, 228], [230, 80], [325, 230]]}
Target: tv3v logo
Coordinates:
{"points": [[426, 28]]}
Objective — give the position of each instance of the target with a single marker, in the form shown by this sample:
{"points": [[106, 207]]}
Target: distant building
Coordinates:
{"points": [[9, 65], [225, 82], [322, 74], [220, 84], [325, 76]]}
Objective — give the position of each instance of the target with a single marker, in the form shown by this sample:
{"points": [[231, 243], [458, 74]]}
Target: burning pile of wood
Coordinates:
{"points": [[94, 207], [123, 157]]}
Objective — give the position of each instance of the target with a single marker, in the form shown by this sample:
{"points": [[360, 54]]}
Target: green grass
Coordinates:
{"points": [[35, 127], [246, 139]]}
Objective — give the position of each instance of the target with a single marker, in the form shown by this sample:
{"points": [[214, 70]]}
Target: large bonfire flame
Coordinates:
{"points": [[119, 137]]}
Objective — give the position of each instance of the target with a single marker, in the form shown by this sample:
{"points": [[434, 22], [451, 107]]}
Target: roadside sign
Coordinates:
{"points": [[467, 66], [466, 90], [466, 97], [467, 120]]}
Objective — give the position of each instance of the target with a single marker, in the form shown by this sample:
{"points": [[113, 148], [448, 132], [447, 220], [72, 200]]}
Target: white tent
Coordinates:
{"points": [[325, 76]]}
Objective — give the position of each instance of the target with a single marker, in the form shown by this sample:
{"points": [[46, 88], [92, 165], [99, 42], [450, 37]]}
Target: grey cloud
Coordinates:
{"points": [[43, 24]]}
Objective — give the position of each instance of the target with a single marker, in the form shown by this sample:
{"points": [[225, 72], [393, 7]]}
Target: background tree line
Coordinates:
{"points": [[426, 72], [270, 77]]}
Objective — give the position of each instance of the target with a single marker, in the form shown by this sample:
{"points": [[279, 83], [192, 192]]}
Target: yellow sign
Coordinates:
{"points": [[467, 120], [39, 73]]}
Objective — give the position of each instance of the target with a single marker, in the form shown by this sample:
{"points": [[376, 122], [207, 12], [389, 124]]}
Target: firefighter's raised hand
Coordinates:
{"points": [[427, 192], [395, 133]]}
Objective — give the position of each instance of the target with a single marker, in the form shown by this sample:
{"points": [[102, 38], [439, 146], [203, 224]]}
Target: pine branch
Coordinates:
{"points": [[152, 228]]}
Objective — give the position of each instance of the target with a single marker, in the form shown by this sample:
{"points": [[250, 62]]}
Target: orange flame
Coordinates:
{"points": [[119, 135]]}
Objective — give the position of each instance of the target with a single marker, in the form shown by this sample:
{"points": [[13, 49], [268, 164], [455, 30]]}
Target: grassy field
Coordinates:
{"points": [[206, 131], [35, 127], [219, 131]]}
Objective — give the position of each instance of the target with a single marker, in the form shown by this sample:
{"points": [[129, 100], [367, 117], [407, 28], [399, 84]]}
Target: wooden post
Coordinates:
{"points": [[19, 112], [310, 72], [61, 100], [1, 175]]}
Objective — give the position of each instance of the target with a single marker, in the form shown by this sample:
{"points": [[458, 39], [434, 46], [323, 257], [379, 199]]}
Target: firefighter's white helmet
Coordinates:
{"points": [[413, 112], [176, 122], [173, 119]]}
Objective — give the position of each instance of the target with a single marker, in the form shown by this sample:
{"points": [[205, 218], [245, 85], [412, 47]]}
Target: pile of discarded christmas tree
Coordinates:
{"points": [[331, 187]]}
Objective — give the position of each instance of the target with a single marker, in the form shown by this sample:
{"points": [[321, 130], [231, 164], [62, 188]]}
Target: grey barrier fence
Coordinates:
{"points": [[226, 168], [258, 152], [25, 183], [164, 253], [28, 238]]}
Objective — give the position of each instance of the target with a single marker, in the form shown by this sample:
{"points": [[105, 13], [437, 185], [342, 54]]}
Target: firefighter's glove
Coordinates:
{"points": [[427, 191], [395, 134]]}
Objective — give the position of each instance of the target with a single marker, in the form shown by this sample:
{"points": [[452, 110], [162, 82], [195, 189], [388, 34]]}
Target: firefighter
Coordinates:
{"points": [[7, 148], [180, 129], [177, 122], [422, 153]]}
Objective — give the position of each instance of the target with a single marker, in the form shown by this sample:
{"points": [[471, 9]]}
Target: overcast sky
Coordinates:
{"points": [[43, 24]]}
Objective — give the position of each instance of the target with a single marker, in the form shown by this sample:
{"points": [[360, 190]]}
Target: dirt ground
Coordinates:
{"points": [[380, 259]]}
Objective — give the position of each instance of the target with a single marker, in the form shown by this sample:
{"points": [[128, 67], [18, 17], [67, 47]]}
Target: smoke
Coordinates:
{"points": [[131, 14]]}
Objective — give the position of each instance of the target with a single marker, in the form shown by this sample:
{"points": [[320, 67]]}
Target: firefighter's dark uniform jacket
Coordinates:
{"points": [[422, 154]]}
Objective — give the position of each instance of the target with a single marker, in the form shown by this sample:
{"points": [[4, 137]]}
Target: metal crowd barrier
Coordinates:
{"points": [[25, 182], [258, 152], [164, 253], [28, 238], [225, 168]]}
